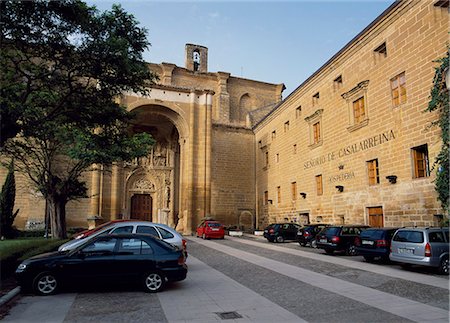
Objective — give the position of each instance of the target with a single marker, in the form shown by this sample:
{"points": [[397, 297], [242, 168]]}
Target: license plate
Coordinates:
{"points": [[265, 231], [215, 229], [405, 250], [323, 240], [367, 242], [299, 233]]}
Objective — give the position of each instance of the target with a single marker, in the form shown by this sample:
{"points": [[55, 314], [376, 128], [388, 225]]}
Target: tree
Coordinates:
{"points": [[439, 102], [7, 199], [63, 66]]}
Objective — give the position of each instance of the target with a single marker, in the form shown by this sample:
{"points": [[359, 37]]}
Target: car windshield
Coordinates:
{"points": [[372, 234], [214, 224]]}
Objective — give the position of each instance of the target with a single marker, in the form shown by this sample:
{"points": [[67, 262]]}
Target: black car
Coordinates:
{"points": [[280, 232], [113, 259], [375, 243], [307, 234], [340, 238]]}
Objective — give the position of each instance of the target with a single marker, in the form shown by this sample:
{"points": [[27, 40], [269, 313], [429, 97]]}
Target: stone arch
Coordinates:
{"points": [[164, 163], [170, 110], [140, 182], [246, 222]]}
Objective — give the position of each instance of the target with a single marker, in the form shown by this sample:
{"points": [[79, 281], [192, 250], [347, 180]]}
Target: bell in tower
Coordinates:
{"points": [[196, 58]]}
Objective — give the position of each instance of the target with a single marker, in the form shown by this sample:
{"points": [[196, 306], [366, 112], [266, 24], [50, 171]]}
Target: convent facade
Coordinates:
{"points": [[352, 144]]}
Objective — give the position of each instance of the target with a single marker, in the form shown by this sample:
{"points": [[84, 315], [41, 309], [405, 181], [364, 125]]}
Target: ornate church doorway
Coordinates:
{"points": [[154, 180], [141, 207]]}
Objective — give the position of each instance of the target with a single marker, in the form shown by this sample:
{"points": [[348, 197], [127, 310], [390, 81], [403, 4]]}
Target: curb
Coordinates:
{"points": [[11, 294]]}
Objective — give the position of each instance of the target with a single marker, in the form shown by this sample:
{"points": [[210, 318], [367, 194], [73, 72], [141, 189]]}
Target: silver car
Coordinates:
{"points": [[159, 230], [421, 246]]}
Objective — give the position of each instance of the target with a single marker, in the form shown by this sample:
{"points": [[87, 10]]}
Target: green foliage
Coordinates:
{"points": [[63, 66], [439, 97], [7, 198], [27, 247]]}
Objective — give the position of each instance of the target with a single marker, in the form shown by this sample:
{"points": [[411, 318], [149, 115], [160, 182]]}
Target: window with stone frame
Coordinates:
{"points": [[373, 172], [315, 99], [315, 128], [266, 159], [294, 149], [357, 106], [319, 185], [286, 126], [316, 132], [359, 112], [266, 197], [420, 161], [294, 191], [298, 112], [279, 194], [398, 89]]}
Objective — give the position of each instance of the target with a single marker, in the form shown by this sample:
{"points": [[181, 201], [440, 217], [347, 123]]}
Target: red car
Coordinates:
{"points": [[210, 229]]}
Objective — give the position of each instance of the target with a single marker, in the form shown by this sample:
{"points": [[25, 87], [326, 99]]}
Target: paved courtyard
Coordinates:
{"points": [[250, 280]]}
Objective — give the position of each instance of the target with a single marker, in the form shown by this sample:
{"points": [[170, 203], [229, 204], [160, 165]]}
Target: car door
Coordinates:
{"points": [[132, 258], [93, 262], [292, 231], [200, 229]]}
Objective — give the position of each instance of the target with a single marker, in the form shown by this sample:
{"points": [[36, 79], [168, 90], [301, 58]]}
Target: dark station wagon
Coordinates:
{"points": [[307, 234], [280, 232], [375, 243], [340, 238]]}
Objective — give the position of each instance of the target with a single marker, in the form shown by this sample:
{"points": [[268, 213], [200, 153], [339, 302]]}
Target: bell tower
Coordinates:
{"points": [[196, 59]]}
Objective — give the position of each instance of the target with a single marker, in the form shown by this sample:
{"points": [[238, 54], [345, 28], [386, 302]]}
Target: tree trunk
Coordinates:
{"points": [[57, 209]]}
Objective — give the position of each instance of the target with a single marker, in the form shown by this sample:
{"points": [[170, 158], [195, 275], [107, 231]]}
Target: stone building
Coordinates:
{"points": [[201, 165], [352, 144]]}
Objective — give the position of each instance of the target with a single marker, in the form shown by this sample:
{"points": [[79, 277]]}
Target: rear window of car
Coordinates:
{"points": [[372, 234], [409, 236], [165, 234], [332, 231], [134, 247], [213, 224]]}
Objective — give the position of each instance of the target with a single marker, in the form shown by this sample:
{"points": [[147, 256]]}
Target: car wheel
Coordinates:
{"points": [[45, 284], [368, 258], [270, 240], [329, 251], [351, 250], [443, 267], [302, 244], [154, 282], [313, 244], [280, 239]]}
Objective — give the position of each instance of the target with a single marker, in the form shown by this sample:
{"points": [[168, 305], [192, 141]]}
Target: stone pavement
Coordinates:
{"points": [[399, 306], [208, 292]]}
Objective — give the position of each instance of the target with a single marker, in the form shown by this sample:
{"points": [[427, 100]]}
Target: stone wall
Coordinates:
{"points": [[232, 172], [415, 33]]}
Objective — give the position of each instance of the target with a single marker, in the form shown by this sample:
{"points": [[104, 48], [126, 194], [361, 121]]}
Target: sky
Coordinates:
{"points": [[268, 41]]}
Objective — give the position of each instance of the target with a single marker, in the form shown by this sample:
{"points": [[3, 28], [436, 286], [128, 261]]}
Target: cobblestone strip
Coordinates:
{"points": [[399, 306], [414, 290]]}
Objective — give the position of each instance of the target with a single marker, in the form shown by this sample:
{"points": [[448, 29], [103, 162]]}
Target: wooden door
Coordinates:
{"points": [[141, 207], [376, 217]]}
